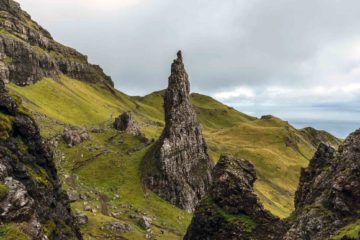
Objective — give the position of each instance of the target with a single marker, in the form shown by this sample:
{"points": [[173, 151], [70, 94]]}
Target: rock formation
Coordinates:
{"points": [[326, 204], [178, 168], [30, 192], [126, 122], [316, 137], [231, 209], [328, 197], [29, 53]]}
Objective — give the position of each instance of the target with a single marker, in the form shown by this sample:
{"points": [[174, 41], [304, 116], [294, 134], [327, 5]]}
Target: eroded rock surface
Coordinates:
{"points": [[178, 168], [231, 209], [29, 53], [328, 197], [30, 191]]}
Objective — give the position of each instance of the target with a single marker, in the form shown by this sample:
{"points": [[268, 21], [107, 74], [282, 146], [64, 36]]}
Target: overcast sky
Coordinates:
{"points": [[299, 60]]}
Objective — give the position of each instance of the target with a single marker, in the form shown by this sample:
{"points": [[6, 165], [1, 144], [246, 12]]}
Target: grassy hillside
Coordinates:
{"points": [[108, 164]]}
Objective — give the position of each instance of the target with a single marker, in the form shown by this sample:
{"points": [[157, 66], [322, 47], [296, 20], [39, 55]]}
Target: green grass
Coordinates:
{"points": [[350, 230], [8, 61], [3, 191], [248, 225], [73, 102], [12, 232], [5, 126], [109, 163], [118, 172]]}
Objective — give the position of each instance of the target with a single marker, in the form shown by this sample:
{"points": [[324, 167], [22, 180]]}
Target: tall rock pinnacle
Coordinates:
{"points": [[179, 168]]}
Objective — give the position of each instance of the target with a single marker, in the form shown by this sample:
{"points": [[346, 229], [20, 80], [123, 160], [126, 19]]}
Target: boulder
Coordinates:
{"points": [[73, 195], [145, 222], [74, 136], [81, 218], [126, 122]]}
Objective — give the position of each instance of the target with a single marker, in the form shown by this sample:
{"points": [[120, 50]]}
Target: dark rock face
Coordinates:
{"points": [[326, 202], [318, 136], [178, 167], [329, 191], [29, 53], [126, 122], [231, 209], [33, 195]]}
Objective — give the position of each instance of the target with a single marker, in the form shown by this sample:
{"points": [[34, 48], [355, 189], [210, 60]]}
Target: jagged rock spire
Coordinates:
{"points": [[232, 194], [181, 166]]}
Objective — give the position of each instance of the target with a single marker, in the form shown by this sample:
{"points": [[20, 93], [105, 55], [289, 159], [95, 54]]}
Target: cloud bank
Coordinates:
{"points": [[299, 60]]}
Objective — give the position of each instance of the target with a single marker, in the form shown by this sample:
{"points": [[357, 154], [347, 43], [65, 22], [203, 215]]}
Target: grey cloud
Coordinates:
{"points": [[226, 44]]}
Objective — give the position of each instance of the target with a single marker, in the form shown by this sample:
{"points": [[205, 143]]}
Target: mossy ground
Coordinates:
{"points": [[12, 232], [3, 191], [351, 231], [109, 163]]}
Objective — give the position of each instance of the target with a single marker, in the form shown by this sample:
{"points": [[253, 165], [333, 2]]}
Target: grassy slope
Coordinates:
{"points": [[277, 149]]}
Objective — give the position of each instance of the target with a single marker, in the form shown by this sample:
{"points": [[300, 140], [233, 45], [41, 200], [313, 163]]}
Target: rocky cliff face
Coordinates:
{"points": [[178, 167], [329, 191], [29, 53], [231, 209], [30, 192], [327, 200]]}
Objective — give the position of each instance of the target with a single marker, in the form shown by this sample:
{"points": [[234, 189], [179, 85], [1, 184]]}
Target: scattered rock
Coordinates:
{"points": [[117, 227], [81, 218], [97, 130], [183, 166], [73, 195], [115, 214], [74, 136], [88, 208], [145, 222]]}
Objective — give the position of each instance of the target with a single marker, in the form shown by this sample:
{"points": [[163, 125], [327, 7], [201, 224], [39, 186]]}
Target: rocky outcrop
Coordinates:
{"points": [[329, 191], [231, 209], [178, 167], [315, 137], [31, 194], [29, 53], [327, 202], [126, 122]]}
